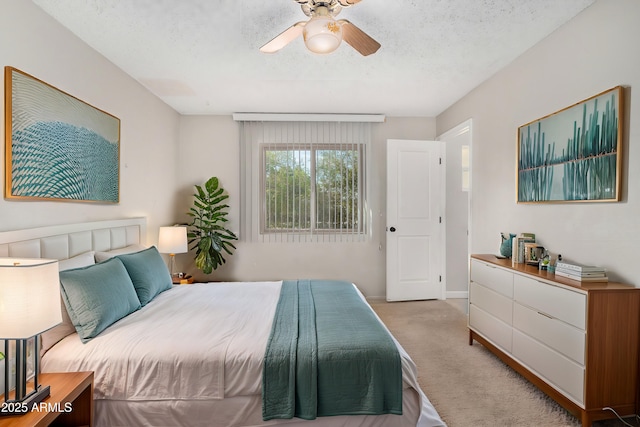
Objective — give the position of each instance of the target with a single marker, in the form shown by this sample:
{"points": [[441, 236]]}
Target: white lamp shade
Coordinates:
{"points": [[29, 297], [322, 34], [173, 240]]}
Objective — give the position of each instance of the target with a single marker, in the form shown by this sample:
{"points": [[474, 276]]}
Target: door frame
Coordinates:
{"points": [[464, 127]]}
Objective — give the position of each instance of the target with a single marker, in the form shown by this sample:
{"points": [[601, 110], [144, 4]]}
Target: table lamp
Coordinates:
{"points": [[173, 240], [29, 305]]}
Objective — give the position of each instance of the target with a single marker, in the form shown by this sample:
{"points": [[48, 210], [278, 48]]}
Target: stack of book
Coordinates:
{"points": [[583, 273], [518, 246]]}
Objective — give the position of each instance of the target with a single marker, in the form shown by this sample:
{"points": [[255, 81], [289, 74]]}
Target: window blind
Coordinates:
{"points": [[304, 181]]}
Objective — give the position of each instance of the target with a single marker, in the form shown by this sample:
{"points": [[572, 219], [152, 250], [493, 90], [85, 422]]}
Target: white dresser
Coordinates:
{"points": [[578, 342]]}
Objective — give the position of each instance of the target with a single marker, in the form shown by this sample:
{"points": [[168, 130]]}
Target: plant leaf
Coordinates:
{"points": [[212, 184]]}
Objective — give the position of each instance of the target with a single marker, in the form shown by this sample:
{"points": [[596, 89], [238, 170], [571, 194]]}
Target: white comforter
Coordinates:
{"points": [[196, 343], [168, 350]]}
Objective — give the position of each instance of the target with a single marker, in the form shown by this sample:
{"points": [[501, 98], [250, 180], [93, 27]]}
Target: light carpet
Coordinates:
{"points": [[468, 385]]}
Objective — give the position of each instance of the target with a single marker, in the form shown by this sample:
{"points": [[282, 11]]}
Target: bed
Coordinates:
{"points": [[194, 355]]}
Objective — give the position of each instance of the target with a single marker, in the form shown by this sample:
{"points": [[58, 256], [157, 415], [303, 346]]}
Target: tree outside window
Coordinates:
{"points": [[309, 188]]}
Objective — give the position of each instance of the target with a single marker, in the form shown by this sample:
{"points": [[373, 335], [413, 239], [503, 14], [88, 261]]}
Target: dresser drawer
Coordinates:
{"points": [[492, 302], [560, 303], [560, 336], [556, 369], [495, 330], [492, 277]]}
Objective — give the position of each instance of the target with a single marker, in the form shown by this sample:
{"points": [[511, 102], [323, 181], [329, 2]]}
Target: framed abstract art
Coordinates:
{"points": [[58, 147], [573, 155]]}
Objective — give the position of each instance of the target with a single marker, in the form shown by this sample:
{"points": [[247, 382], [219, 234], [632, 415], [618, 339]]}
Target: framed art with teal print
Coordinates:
{"points": [[58, 147], [573, 155]]}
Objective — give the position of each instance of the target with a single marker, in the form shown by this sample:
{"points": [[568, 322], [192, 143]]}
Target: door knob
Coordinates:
{"points": [[392, 229]]}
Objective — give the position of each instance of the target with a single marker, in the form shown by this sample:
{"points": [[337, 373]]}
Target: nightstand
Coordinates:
{"points": [[186, 280], [71, 391]]}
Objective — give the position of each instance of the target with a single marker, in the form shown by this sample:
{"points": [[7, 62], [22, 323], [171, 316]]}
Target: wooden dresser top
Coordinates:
{"points": [[545, 275]]}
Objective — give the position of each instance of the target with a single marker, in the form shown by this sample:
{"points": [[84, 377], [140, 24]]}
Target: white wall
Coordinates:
{"points": [[595, 51], [35, 43], [209, 147]]}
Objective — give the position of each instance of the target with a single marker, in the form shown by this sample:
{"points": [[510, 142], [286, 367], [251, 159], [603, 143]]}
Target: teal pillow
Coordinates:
{"points": [[148, 272], [97, 296]]}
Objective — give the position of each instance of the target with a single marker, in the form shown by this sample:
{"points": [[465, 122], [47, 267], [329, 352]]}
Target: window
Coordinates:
{"points": [[304, 181], [309, 188]]}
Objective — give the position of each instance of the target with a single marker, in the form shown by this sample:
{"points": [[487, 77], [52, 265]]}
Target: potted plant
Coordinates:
{"points": [[206, 232]]}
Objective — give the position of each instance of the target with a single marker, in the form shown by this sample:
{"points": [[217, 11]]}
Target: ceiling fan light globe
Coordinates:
{"points": [[322, 34]]}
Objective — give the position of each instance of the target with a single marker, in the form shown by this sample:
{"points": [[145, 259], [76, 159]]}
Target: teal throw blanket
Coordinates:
{"points": [[328, 355]]}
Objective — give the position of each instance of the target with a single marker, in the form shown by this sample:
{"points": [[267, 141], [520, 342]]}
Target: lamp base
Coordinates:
{"points": [[15, 407]]}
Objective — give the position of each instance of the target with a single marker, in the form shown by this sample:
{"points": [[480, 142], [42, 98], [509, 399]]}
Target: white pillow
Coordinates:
{"points": [[83, 260], [55, 334], [103, 256]]}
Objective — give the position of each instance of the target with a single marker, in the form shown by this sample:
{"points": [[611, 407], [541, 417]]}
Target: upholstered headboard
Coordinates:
{"points": [[66, 241]]}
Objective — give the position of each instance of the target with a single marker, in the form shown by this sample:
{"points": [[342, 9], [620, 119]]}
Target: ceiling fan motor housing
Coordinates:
{"points": [[313, 7], [322, 33]]}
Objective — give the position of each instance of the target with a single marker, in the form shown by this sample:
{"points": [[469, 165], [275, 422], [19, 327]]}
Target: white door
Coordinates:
{"points": [[414, 220]]}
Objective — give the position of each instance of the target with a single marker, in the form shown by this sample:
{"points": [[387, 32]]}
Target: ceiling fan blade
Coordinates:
{"points": [[284, 38], [347, 3], [358, 39]]}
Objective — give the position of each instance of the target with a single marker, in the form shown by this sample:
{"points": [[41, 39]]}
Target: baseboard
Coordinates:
{"points": [[457, 294]]}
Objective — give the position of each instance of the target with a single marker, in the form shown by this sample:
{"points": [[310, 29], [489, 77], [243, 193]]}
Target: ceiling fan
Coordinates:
{"points": [[322, 33]]}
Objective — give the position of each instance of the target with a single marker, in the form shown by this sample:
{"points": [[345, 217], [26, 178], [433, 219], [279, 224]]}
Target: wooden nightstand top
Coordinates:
{"points": [[187, 280], [70, 391]]}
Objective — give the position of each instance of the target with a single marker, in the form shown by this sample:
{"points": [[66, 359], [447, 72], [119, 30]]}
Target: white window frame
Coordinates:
{"points": [[313, 148], [256, 137]]}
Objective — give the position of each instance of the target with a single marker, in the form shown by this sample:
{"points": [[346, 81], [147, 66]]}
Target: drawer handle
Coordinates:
{"points": [[545, 315]]}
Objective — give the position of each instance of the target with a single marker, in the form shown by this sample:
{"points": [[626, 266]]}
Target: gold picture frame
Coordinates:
{"points": [[573, 155], [58, 147]]}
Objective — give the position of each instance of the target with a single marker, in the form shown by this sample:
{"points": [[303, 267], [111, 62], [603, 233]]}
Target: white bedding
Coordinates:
{"points": [[193, 357]]}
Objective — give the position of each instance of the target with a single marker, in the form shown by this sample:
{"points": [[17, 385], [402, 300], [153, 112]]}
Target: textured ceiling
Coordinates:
{"points": [[201, 56]]}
